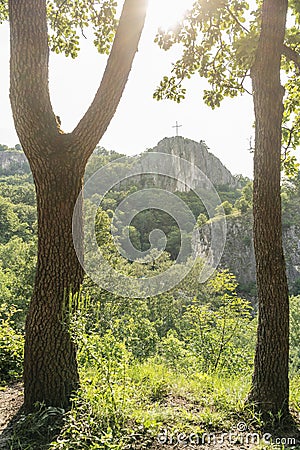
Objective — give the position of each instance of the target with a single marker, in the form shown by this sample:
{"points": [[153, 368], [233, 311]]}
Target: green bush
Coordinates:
{"points": [[173, 352], [11, 346], [220, 334], [295, 334]]}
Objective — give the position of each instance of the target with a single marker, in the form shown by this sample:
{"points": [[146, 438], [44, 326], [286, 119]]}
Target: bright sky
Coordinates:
{"points": [[140, 121]]}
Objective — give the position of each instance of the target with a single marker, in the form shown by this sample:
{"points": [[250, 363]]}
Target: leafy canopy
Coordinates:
{"points": [[68, 21], [219, 40]]}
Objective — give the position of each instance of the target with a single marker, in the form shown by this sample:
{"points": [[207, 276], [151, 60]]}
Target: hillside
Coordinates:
{"points": [[238, 254], [153, 369]]}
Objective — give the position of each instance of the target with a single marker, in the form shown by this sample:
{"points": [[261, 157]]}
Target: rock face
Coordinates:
{"points": [[12, 162], [238, 255], [192, 166], [198, 155]]}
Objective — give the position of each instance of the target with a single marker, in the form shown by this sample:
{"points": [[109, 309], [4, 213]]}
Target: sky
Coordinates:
{"points": [[140, 121]]}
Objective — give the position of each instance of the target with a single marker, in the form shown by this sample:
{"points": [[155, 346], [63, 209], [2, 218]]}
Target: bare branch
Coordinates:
{"points": [[291, 55], [286, 147], [236, 20]]}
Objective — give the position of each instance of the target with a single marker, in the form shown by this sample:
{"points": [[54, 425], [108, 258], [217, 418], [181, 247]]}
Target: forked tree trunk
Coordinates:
{"points": [[270, 386], [58, 161]]}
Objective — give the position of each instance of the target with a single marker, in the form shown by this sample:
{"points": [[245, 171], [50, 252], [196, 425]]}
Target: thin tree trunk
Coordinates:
{"points": [[270, 386]]}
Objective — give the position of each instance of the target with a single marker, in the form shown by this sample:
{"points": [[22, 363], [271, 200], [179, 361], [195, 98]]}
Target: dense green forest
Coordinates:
{"points": [[180, 361]]}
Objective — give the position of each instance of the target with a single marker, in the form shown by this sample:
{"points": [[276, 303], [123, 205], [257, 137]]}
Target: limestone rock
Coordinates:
{"points": [[198, 155], [12, 162], [238, 255]]}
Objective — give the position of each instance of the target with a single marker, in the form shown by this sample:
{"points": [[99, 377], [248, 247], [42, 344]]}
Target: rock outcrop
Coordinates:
{"points": [[238, 255], [198, 155], [12, 162], [192, 166]]}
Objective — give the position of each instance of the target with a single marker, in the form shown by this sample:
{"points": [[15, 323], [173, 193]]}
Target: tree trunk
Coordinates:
{"points": [[270, 385], [50, 368]]}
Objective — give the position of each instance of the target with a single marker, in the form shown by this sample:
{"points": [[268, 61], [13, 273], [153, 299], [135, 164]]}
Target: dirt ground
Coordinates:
{"points": [[11, 399]]}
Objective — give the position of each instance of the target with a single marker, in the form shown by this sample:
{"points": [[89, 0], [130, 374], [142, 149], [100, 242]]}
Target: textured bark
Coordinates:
{"points": [[58, 161], [50, 368], [270, 386]]}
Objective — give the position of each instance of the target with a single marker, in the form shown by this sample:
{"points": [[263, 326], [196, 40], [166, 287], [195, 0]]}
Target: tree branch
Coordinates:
{"points": [[29, 89], [236, 20], [287, 146], [291, 55], [94, 123]]}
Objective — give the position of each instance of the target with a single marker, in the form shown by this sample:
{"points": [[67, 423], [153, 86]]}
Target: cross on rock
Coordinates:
{"points": [[177, 127]]}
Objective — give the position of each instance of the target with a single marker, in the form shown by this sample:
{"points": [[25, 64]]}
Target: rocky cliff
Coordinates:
{"points": [[198, 155], [238, 255], [194, 152], [12, 162], [192, 166]]}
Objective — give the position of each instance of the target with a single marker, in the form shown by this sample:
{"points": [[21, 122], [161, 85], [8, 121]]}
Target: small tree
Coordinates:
{"points": [[201, 220], [225, 208]]}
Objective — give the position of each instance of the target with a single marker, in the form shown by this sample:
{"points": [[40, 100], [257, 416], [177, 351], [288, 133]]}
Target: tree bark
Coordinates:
{"points": [[270, 385], [50, 367], [58, 161]]}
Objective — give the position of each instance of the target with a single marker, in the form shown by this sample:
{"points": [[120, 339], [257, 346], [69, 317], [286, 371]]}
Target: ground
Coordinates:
{"points": [[11, 399]]}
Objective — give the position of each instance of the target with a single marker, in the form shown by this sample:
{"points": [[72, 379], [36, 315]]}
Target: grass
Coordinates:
{"points": [[295, 395], [131, 405], [183, 401]]}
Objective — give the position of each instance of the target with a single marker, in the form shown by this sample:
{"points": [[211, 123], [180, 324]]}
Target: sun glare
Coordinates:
{"points": [[169, 12]]}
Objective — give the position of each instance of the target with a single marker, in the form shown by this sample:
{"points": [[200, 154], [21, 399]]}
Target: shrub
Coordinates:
{"points": [[295, 334], [11, 346]]}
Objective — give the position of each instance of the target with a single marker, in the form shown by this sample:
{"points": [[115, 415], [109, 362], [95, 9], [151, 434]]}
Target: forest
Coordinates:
{"points": [[180, 361], [162, 351]]}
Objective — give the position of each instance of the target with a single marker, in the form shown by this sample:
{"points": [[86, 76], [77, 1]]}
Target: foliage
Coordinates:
{"points": [[224, 208], [220, 333], [218, 41], [215, 45], [17, 269], [19, 192], [11, 346], [206, 328], [3, 10], [202, 220], [244, 203], [295, 334], [9, 222], [68, 20]]}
